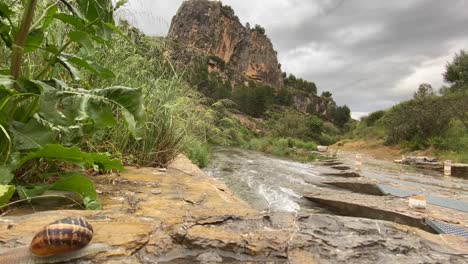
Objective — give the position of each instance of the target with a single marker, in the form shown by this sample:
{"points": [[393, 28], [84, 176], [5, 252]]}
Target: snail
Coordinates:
{"points": [[62, 240]]}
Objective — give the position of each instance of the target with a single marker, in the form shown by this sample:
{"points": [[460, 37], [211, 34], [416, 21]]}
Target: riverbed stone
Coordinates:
{"points": [[195, 215]]}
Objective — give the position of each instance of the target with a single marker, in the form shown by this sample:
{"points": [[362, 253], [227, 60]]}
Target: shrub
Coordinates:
{"points": [[259, 29], [373, 118], [253, 100], [416, 120], [198, 152], [227, 10]]}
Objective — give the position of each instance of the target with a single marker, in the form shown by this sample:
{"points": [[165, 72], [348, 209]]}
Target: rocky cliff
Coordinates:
{"points": [[208, 29], [313, 104], [211, 28]]}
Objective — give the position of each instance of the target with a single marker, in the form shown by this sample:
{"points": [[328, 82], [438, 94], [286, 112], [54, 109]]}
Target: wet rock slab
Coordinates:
{"points": [[387, 208], [183, 216]]}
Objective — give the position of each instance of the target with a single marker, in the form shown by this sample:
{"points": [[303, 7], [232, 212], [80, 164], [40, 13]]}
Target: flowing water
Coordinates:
{"points": [[270, 183]]}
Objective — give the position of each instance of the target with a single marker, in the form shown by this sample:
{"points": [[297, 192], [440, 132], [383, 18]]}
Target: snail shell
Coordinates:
{"points": [[62, 236]]}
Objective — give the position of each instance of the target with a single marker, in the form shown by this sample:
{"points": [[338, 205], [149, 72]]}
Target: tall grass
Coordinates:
{"points": [[177, 120]]}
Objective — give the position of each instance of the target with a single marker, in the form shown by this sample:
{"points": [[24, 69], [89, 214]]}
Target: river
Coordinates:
{"points": [[270, 183]]}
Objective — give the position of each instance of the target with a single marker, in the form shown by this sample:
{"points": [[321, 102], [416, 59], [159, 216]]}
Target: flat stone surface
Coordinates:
{"points": [[386, 207], [196, 217]]}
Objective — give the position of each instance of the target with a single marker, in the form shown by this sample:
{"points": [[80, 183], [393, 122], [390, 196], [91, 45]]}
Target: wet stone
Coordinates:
{"points": [[210, 258], [156, 191]]}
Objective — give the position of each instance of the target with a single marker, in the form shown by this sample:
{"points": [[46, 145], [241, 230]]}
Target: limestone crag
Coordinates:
{"points": [[310, 103], [211, 28], [204, 29]]}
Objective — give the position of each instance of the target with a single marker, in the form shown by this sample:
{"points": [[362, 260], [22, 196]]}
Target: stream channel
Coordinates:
{"points": [[269, 183]]}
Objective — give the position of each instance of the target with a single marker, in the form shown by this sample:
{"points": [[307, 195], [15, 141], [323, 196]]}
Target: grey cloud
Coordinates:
{"points": [[360, 50]]}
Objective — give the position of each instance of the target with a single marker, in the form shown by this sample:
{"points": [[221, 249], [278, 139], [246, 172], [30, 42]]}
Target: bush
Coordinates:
{"points": [[373, 118], [300, 84], [417, 120], [341, 115], [259, 29], [292, 124], [198, 152], [227, 10], [253, 100]]}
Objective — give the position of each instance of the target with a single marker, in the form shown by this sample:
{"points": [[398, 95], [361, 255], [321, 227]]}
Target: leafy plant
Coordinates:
{"points": [[46, 103]]}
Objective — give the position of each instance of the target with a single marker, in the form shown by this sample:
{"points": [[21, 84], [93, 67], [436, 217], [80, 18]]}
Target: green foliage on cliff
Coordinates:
{"points": [[299, 83], [259, 29], [253, 100]]}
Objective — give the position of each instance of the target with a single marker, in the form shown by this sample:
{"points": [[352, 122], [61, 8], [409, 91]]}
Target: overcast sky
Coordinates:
{"points": [[371, 54]]}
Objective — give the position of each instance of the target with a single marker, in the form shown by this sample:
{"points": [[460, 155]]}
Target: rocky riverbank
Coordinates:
{"points": [[183, 216]]}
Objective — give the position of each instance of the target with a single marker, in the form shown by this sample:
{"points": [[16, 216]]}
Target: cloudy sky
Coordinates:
{"points": [[371, 54]]}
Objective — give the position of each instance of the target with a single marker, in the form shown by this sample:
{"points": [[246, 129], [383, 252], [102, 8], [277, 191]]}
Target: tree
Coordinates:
{"points": [[284, 97], [326, 94], [417, 120], [425, 90], [227, 11], [456, 73], [259, 29], [253, 100], [341, 115]]}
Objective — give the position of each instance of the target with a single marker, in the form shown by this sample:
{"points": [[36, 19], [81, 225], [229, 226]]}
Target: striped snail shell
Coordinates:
{"points": [[62, 236]]}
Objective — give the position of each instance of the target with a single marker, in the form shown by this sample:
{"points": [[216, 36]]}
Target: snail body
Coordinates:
{"points": [[60, 241]]}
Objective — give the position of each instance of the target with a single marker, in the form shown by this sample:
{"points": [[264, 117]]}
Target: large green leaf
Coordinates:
{"points": [[74, 21], [34, 40], [5, 11], [74, 72], [74, 156], [7, 82], [5, 34], [5, 29], [82, 38], [68, 107], [90, 66], [31, 135], [82, 186], [5, 175], [32, 191], [96, 9], [6, 192], [49, 16]]}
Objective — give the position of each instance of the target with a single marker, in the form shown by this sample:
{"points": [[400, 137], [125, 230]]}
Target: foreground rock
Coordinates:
{"points": [[192, 218]]}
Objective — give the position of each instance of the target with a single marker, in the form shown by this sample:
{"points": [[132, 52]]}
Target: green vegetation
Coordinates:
{"points": [[48, 104], [291, 81], [269, 110], [285, 147], [253, 100], [227, 10], [341, 115], [77, 99], [428, 120], [259, 29], [66, 107]]}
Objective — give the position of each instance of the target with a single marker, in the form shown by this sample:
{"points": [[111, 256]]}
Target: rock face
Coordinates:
{"points": [[203, 28], [212, 28], [309, 103], [196, 219]]}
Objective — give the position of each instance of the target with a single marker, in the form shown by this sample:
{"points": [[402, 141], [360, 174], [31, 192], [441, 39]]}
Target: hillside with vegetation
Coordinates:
{"points": [[68, 107], [435, 121], [268, 110]]}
